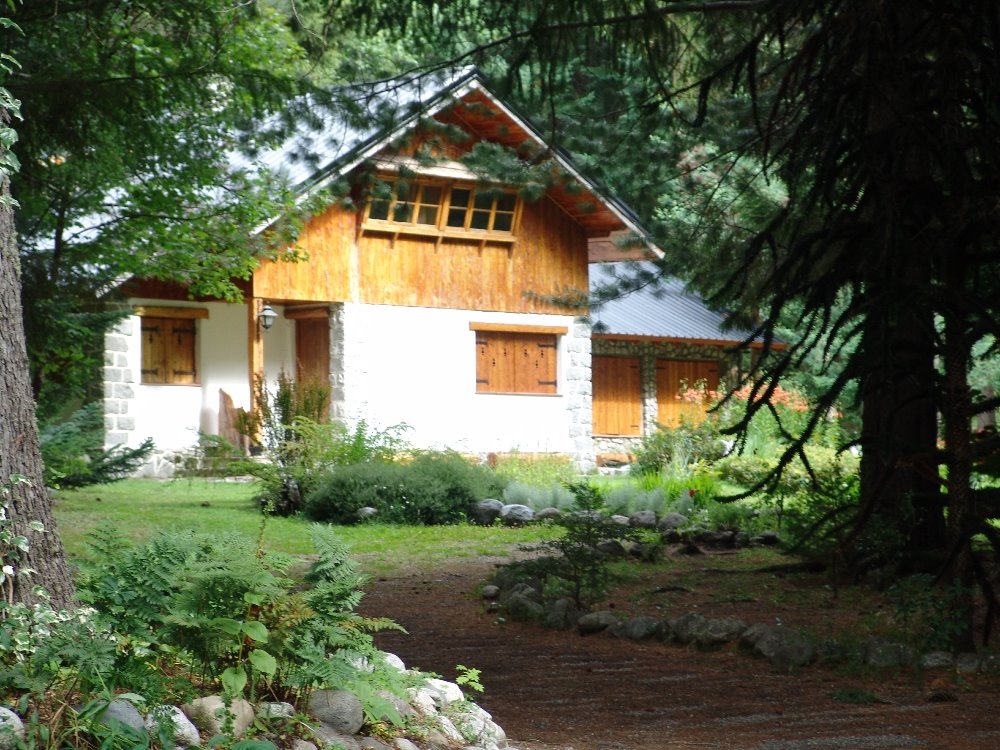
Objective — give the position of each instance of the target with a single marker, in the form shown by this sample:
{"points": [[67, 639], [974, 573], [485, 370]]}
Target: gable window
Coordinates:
{"points": [[617, 396], [517, 359], [168, 345], [443, 209]]}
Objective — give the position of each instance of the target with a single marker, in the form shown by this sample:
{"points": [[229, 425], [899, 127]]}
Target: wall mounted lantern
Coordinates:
{"points": [[267, 316]]}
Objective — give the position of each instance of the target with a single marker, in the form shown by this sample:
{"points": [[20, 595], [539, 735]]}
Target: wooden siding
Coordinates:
{"points": [[324, 275], [617, 396], [671, 376], [549, 257]]}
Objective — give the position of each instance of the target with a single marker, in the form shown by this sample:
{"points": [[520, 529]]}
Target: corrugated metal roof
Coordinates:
{"points": [[656, 306]]}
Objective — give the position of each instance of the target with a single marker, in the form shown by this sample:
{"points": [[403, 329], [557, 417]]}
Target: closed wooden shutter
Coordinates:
{"points": [[674, 374], [513, 362], [168, 351], [617, 396], [312, 351]]}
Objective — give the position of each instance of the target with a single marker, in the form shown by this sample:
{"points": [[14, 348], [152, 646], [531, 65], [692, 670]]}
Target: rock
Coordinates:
{"points": [[967, 663], [393, 662], [298, 744], [490, 592], [548, 514], [784, 647], [524, 607], [373, 743], [366, 513], [447, 727], [182, 729], [403, 708], [642, 519], [937, 660], [767, 539], [402, 743], [883, 654], [208, 713], [561, 614], [684, 628], [279, 710], [122, 712], [612, 548], [672, 521], [989, 664], [338, 709], [619, 520], [638, 628], [719, 631], [328, 735], [516, 515], [446, 692], [11, 729], [595, 622], [486, 512], [531, 591]]}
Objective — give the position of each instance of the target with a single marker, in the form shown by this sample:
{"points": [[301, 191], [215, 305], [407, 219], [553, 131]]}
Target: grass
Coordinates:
{"points": [[140, 507]]}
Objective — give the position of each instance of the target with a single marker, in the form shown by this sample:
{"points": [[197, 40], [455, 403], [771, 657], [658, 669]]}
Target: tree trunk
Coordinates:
{"points": [[19, 450]]}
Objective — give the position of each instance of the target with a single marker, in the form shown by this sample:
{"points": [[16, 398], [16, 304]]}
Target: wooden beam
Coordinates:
{"points": [[308, 312], [149, 311], [518, 328], [255, 350], [720, 343]]}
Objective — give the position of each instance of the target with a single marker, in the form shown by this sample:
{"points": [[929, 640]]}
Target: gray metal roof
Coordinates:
{"points": [[654, 306]]}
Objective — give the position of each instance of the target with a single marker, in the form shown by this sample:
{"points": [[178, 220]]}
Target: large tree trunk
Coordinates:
{"points": [[19, 451]]}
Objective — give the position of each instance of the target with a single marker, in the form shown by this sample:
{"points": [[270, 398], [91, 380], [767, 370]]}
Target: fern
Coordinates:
{"points": [[336, 581]]}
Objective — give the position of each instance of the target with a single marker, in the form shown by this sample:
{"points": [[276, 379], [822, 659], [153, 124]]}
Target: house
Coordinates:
{"points": [[428, 299]]}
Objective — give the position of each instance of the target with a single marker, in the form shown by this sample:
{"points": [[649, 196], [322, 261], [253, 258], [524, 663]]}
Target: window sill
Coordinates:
{"points": [[517, 393], [437, 233]]}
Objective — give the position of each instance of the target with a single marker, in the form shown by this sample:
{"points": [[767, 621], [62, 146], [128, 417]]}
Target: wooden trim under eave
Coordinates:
{"points": [[312, 312], [149, 311], [518, 328], [721, 343]]}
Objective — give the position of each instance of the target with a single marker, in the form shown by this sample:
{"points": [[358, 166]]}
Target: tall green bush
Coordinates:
{"points": [[433, 488]]}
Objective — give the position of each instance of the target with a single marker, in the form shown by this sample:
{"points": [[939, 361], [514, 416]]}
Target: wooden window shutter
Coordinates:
{"points": [[617, 396], [168, 351], [516, 362]]}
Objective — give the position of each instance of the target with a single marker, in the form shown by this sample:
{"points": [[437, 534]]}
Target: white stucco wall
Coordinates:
{"points": [[173, 415], [418, 366]]}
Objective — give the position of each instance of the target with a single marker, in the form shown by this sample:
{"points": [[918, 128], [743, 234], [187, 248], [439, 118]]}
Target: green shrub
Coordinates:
{"points": [[73, 451], [434, 488], [677, 448], [535, 470], [537, 496]]}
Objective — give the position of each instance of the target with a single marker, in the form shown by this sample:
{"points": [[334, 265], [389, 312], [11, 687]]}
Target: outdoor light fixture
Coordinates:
{"points": [[267, 316]]}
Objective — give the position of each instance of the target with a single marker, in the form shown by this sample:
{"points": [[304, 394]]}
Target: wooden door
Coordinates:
{"points": [[673, 375], [617, 396], [312, 351]]}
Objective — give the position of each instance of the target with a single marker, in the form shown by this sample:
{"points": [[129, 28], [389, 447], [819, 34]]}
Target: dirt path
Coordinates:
{"points": [[559, 691]]}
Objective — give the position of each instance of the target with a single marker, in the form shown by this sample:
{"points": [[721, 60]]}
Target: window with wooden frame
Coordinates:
{"points": [[168, 345], [442, 208], [617, 396], [521, 360], [676, 375]]}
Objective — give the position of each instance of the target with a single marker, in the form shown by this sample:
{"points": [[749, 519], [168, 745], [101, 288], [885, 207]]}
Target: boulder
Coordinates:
{"points": [[767, 539], [11, 729], [619, 520], [561, 614], [717, 632], [276, 710], [672, 521], [612, 548], [120, 711], [642, 519], [182, 729], [516, 515], [486, 512], [366, 513], [331, 737], [208, 715], [373, 743], [548, 514], [524, 607], [937, 660], [638, 628], [340, 710], [684, 628], [490, 592], [445, 693], [883, 654], [595, 622], [784, 647]]}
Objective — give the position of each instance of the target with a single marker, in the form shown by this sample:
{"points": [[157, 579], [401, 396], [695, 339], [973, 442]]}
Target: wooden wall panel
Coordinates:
{"points": [[324, 276], [548, 257], [617, 396], [671, 375]]}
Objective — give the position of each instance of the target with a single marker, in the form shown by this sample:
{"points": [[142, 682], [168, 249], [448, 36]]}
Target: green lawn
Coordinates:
{"points": [[138, 507]]}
